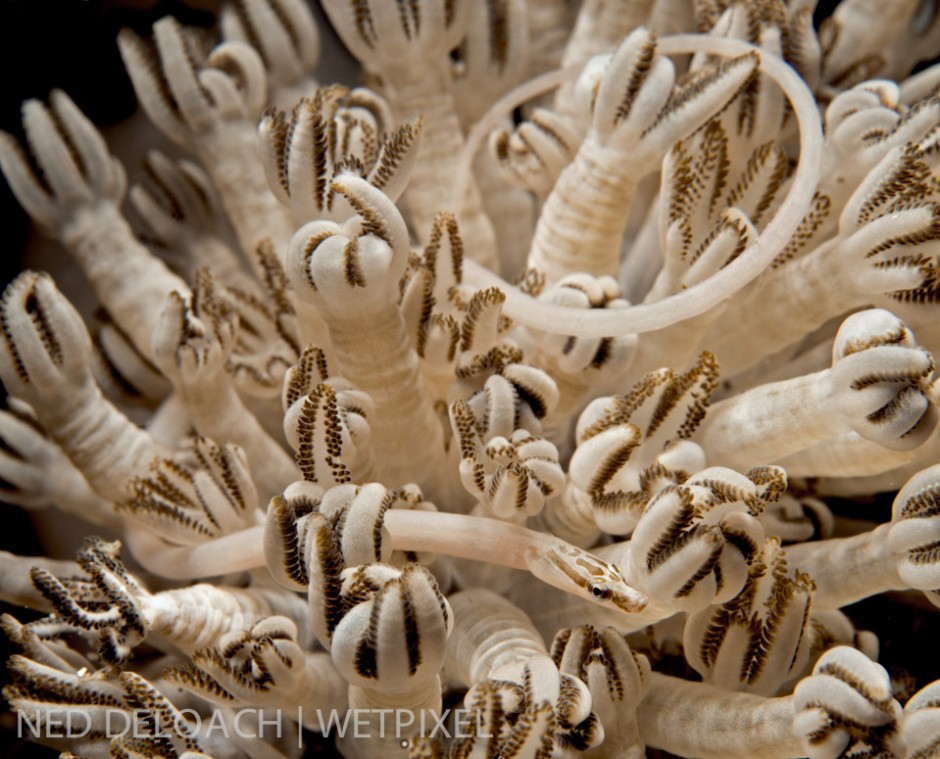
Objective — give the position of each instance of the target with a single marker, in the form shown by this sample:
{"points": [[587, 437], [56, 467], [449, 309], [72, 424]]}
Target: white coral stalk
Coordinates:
{"points": [[383, 669], [264, 666], [489, 633], [617, 678], [408, 46], [285, 36], [879, 386], [351, 273], [193, 353], [549, 23], [845, 705], [695, 719], [846, 570], [492, 59], [47, 351], [495, 647], [853, 465], [211, 106], [76, 200], [636, 113], [746, 207], [897, 555]]}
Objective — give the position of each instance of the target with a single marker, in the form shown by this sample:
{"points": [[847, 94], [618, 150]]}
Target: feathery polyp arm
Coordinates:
{"points": [[75, 168], [287, 40]]}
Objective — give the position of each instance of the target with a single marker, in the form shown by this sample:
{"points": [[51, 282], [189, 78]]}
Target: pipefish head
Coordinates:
{"points": [[576, 571]]}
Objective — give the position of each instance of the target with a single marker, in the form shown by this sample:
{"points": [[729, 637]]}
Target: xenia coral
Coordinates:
{"points": [[333, 463]]}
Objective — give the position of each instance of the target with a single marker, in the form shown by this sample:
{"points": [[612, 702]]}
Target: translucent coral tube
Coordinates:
{"points": [[724, 283]]}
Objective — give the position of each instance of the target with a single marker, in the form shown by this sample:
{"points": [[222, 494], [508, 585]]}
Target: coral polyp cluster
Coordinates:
{"points": [[340, 476]]}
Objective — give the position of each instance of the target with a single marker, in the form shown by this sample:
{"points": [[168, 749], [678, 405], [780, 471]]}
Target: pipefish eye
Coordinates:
{"points": [[600, 592]]}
